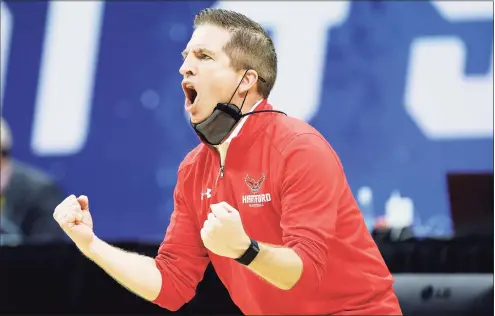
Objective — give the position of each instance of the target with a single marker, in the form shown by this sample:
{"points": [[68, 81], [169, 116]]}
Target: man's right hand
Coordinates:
{"points": [[135, 272], [74, 218]]}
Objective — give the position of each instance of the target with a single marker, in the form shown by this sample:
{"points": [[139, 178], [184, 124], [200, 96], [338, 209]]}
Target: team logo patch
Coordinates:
{"points": [[253, 184], [255, 199]]}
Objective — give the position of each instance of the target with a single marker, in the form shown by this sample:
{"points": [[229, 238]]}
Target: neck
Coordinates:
{"points": [[245, 109], [251, 101]]}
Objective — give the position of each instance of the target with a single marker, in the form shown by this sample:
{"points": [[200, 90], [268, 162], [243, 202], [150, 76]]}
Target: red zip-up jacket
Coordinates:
{"points": [[290, 190]]}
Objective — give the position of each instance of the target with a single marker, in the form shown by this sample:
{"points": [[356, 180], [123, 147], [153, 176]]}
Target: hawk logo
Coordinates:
{"points": [[254, 185], [254, 199]]}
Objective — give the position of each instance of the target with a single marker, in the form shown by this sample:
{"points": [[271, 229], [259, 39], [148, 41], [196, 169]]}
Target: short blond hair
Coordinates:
{"points": [[250, 46]]}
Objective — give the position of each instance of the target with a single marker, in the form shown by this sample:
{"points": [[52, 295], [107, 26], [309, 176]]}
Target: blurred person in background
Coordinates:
{"points": [[27, 199], [276, 217]]}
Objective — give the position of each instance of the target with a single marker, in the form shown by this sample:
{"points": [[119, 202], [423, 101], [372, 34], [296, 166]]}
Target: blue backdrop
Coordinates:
{"points": [[402, 90]]}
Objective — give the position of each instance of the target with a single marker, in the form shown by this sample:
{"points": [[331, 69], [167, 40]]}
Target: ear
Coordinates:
{"points": [[249, 81]]}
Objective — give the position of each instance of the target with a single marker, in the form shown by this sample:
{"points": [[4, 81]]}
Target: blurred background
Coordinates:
{"points": [[91, 104]]}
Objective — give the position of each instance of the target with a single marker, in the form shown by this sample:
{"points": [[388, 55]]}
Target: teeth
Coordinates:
{"points": [[189, 86]]}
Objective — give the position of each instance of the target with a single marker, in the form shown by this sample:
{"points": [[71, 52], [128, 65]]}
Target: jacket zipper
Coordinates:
{"points": [[221, 171]]}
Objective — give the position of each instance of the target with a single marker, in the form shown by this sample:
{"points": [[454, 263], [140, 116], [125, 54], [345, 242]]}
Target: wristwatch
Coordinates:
{"points": [[250, 253]]}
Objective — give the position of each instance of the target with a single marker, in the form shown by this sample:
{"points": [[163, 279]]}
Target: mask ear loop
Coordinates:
{"points": [[244, 100], [238, 89]]}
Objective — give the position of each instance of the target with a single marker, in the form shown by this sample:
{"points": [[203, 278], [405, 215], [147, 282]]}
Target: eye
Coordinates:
{"points": [[203, 56]]}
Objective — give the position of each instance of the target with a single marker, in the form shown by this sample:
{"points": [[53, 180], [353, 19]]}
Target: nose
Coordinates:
{"points": [[187, 69]]}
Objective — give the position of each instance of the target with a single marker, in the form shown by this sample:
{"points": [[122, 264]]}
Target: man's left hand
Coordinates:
{"points": [[223, 233]]}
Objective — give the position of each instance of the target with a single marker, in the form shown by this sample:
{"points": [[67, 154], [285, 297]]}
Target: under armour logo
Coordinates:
{"points": [[206, 194]]}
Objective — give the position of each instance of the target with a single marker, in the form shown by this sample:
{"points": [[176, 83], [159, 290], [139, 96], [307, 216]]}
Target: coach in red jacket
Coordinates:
{"points": [[263, 197]]}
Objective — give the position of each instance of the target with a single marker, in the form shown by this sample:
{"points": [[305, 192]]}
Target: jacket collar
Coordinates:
{"points": [[239, 125]]}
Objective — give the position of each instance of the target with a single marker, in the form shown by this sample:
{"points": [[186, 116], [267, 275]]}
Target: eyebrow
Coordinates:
{"points": [[197, 50], [208, 52]]}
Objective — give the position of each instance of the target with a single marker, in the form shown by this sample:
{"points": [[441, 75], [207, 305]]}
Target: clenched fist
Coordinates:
{"points": [[223, 233], [74, 218]]}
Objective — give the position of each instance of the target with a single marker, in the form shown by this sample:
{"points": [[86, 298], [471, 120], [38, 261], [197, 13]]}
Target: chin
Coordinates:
{"points": [[196, 118]]}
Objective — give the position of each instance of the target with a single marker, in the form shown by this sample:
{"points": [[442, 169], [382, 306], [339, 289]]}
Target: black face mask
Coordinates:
{"points": [[222, 120]]}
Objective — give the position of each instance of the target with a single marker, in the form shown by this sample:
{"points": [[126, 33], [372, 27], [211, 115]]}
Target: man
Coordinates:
{"points": [[275, 216], [27, 199]]}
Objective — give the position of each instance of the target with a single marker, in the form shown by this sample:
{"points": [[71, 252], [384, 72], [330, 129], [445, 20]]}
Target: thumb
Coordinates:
{"points": [[83, 202]]}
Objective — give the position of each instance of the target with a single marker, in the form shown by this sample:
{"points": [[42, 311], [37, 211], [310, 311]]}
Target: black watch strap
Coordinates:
{"points": [[250, 253]]}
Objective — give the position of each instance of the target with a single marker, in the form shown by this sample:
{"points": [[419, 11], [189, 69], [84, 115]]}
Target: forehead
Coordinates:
{"points": [[209, 37]]}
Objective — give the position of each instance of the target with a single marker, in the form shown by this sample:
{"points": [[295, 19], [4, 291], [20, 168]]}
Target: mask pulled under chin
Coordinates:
{"points": [[219, 124]]}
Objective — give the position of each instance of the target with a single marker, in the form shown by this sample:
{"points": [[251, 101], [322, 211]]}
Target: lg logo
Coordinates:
{"points": [[430, 292]]}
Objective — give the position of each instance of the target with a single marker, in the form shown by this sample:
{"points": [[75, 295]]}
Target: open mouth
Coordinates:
{"points": [[191, 94]]}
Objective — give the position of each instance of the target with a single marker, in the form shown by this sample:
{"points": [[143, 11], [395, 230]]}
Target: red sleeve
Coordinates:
{"points": [[182, 258], [313, 182]]}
